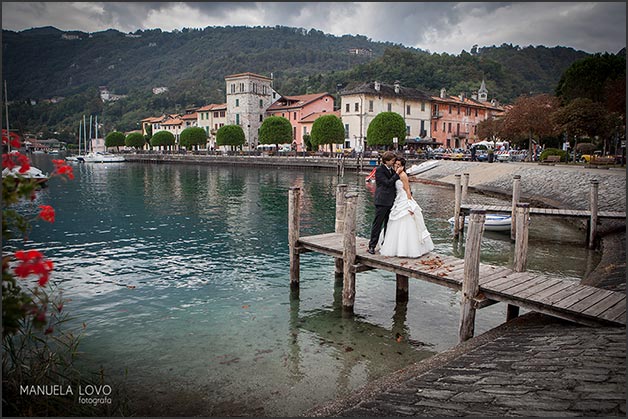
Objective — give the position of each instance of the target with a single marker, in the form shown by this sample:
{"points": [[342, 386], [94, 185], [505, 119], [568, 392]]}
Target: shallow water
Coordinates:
{"points": [[181, 274]]}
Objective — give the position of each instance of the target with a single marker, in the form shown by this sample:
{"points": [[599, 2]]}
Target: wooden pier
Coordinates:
{"points": [[481, 284]]}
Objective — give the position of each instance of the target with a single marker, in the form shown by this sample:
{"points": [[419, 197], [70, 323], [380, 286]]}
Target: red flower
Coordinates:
{"points": [[13, 138], [32, 262], [47, 213], [63, 169], [16, 159], [7, 161]]}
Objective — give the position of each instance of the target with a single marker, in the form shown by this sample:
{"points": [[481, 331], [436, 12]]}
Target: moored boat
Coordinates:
{"points": [[492, 222]]}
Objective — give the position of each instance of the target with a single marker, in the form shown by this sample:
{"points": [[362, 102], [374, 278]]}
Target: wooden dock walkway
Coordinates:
{"points": [[480, 284], [556, 212], [561, 298]]}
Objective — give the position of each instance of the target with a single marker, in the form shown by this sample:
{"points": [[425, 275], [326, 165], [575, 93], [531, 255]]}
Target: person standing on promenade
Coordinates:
{"points": [[385, 192]]}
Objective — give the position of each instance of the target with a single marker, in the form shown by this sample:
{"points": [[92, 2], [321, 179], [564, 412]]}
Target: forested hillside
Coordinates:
{"points": [[40, 63]]}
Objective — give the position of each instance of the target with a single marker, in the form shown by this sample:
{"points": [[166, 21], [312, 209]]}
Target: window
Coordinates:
{"points": [[346, 130], [476, 111], [457, 129], [390, 107], [215, 114], [242, 87], [407, 129], [202, 116], [458, 109], [237, 119], [422, 127], [232, 87], [444, 127], [261, 103], [294, 116], [435, 126], [357, 107], [449, 127], [216, 126], [408, 110], [422, 106], [468, 111], [206, 115], [450, 108], [347, 108], [237, 102], [304, 130], [222, 114], [261, 118], [370, 106], [294, 133]]}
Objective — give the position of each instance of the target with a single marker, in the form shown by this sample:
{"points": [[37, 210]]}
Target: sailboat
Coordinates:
{"points": [[76, 158], [99, 156], [32, 173]]}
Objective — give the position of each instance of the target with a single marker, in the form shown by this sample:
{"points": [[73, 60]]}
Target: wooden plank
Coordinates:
{"points": [[592, 299], [605, 304], [535, 280], [615, 311], [512, 286], [578, 295], [557, 296], [621, 318], [502, 277], [540, 295]]}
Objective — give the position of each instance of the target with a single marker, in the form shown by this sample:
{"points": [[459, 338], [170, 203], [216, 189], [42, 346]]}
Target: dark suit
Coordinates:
{"points": [[384, 198]]}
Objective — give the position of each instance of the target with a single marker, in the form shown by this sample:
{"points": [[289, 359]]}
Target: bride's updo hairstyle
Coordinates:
{"points": [[403, 162]]}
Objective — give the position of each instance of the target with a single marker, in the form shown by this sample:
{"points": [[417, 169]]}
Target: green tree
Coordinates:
{"points": [[327, 129], [589, 77], [384, 127], [162, 139], [115, 139], [149, 133], [582, 117], [275, 130], [192, 137], [135, 139], [230, 135]]}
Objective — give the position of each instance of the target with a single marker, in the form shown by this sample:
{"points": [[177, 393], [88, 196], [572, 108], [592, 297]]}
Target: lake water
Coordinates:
{"points": [[181, 274]]}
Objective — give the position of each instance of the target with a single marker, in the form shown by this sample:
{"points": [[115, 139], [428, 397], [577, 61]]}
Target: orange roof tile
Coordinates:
{"points": [[314, 116], [289, 102], [190, 116]]}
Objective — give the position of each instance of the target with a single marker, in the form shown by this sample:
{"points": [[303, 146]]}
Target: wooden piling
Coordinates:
{"points": [[471, 281], [402, 288], [294, 209], [465, 187], [349, 252], [593, 207], [457, 199], [516, 195], [520, 259], [341, 190]]}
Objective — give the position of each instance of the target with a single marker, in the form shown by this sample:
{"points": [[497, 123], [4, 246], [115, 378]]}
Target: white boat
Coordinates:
{"points": [[100, 157], [32, 173], [492, 222], [415, 169]]}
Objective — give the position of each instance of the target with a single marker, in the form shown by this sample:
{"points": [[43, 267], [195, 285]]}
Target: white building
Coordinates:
{"points": [[248, 97], [360, 105], [211, 118]]}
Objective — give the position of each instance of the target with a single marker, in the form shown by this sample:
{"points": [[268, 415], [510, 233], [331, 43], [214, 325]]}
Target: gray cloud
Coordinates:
{"points": [[438, 27]]}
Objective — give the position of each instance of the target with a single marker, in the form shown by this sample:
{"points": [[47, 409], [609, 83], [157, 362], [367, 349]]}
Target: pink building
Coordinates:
{"points": [[296, 108]]}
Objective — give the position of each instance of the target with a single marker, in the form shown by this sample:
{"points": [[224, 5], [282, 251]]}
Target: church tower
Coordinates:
{"points": [[483, 93]]}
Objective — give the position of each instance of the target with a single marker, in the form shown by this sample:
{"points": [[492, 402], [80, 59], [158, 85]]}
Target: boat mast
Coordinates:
{"points": [[84, 135], [79, 138], [90, 133]]}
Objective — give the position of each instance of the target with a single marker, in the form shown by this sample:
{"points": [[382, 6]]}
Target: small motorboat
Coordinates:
{"points": [[32, 173], [371, 176], [492, 222]]}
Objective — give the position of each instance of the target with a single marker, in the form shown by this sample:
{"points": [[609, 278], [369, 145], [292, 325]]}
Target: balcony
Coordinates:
{"points": [[437, 115]]}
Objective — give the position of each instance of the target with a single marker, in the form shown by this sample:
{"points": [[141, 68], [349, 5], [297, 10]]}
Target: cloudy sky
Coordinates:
{"points": [[433, 26]]}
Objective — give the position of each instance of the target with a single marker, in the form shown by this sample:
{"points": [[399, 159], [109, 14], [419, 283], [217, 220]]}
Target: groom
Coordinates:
{"points": [[385, 178]]}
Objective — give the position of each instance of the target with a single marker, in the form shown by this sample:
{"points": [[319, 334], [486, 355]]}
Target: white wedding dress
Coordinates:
{"points": [[406, 234]]}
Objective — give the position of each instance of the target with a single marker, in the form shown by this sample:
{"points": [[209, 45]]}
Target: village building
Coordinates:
{"points": [[211, 118], [249, 95], [455, 118], [360, 105], [296, 108]]}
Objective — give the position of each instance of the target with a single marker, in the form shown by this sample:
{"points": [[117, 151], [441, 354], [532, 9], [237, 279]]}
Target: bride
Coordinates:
{"points": [[405, 233]]}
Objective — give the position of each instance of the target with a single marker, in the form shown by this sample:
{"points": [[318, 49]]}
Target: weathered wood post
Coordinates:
{"points": [[471, 281], [349, 252], [593, 207], [457, 198], [520, 259], [341, 190], [294, 209], [465, 187], [402, 288], [516, 195]]}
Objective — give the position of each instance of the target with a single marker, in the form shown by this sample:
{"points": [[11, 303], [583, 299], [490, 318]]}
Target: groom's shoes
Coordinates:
{"points": [[371, 250]]}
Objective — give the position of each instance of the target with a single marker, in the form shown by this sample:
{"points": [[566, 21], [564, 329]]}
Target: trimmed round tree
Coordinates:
{"points": [[231, 135], [135, 139], [115, 139], [192, 137], [384, 127], [275, 130], [327, 129], [162, 139]]}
